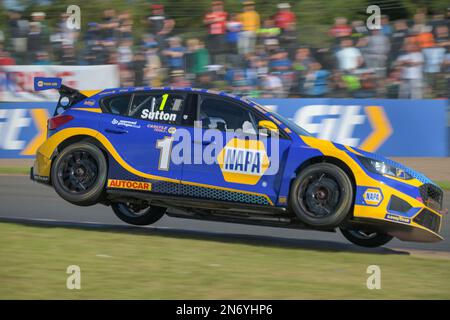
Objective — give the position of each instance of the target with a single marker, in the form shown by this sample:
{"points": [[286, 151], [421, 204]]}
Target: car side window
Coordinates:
{"points": [[158, 107], [117, 104], [216, 113]]}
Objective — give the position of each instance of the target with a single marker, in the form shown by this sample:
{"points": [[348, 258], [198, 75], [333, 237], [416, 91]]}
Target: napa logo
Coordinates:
{"points": [[41, 83], [243, 161], [372, 196]]}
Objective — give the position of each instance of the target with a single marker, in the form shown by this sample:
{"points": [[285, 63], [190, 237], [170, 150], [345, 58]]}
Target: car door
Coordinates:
{"points": [[243, 157], [140, 126]]}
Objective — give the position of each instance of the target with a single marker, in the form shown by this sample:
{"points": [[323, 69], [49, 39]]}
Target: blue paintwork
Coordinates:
{"points": [[137, 148]]}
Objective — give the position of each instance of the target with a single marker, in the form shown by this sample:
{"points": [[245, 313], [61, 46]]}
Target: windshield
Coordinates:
{"points": [[291, 125]]}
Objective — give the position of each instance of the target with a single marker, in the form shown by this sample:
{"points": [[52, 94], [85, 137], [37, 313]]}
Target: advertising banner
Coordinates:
{"points": [[402, 128], [17, 82]]}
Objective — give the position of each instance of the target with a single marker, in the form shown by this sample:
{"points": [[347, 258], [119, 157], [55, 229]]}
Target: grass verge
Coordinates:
{"points": [[14, 170], [148, 265]]}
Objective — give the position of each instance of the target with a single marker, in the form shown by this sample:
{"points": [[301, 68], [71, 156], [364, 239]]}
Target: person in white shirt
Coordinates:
{"points": [[348, 57], [411, 64]]}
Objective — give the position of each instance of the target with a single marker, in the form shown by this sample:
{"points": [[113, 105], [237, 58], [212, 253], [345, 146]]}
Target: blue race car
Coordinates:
{"points": [[215, 156]]}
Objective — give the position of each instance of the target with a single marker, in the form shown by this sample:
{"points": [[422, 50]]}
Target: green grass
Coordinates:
{"points": [[153, 265], [444, 184], [14, 170]]}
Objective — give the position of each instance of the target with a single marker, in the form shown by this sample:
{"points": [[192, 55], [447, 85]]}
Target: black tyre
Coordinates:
{"points": [[79, 174], [322, 195], [137, 214], [367, 239]]}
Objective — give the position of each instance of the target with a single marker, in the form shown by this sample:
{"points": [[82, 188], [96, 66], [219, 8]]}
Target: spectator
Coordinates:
{"points": [[35, 41], [153, 65], [341, 29], [348, 57], [376, 52], [125, 54], [234, 28], [125, 28], [399, 34], [386, 28], [268, 30], [5, 58], [216, 20], [109, 27], [138, 68], [284, 17], [41, 58], [272, 87], [250, 24], [18, 31], [411, 72], [177, 79], [424, 37], [433, 59], [315, 84], [288, 39], [175, 54], [160, 25]]}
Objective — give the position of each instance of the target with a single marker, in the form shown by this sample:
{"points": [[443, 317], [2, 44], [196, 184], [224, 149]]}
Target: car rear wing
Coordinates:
{"points": [[67, 96]]}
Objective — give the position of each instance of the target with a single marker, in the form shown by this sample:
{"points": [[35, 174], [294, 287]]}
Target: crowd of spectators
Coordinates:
{"points": [[247, 55]]}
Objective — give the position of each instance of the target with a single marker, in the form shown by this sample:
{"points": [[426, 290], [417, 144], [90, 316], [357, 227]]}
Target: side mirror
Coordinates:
{"points": [[269, 126]]}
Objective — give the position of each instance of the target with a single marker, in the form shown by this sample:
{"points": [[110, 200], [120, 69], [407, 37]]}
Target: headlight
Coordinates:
{"points": [[383, 168]]}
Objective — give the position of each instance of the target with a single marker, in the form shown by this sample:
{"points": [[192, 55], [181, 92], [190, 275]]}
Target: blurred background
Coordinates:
{"points": [[261, 49]]}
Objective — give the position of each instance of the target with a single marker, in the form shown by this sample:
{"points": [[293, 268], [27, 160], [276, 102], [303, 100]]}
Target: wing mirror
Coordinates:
{"points": [[268, 126]]}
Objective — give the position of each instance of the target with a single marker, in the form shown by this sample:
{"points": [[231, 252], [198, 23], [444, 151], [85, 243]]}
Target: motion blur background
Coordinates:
{"points": [[314, 61], [267, 48]]}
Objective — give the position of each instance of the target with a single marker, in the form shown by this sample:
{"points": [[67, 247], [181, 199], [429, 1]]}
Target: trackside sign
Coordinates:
{"points": [[408, 128]]}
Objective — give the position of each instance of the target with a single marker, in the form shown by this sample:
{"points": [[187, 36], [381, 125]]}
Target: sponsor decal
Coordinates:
{"points": [[373, 196], [46, 83], [243, 161], [396, 218], [158, 115], [125, 123], [172, 130], [157, 127], [126, 184], [106, 92], [89, 102]]}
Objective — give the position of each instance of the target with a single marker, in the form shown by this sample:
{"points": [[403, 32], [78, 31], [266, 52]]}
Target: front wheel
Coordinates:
{"points": [[136, 214], [369, 239], [322, 195]]}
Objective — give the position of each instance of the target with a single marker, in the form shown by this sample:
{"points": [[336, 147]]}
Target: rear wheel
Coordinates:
{"points": [[79, 174], [137, 214], [322, 195], [366, 238]]}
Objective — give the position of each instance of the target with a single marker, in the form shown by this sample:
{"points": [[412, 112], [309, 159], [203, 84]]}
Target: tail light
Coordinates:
{"points": [[56, 122]]}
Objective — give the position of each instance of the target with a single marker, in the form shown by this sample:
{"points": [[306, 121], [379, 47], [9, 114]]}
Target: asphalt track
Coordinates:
{"points": [[24, 201]]}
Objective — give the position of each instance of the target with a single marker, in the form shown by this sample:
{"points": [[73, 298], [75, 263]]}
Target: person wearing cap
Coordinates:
{"points": [[216, 21], [250, 24], [284, 16]]}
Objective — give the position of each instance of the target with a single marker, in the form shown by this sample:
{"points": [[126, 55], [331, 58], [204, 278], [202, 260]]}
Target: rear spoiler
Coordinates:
{"points": [[67, 96]]}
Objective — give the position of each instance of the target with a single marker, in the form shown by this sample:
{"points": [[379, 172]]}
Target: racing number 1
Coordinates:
{"points": [[165, 149]]}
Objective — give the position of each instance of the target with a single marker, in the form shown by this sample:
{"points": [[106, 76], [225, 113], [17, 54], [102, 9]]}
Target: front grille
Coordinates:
{"points": [[398, 205], [428, 219], [432, 196]]}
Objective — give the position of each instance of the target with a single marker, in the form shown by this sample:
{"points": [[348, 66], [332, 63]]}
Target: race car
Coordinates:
{"points": [[199, 154]]}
